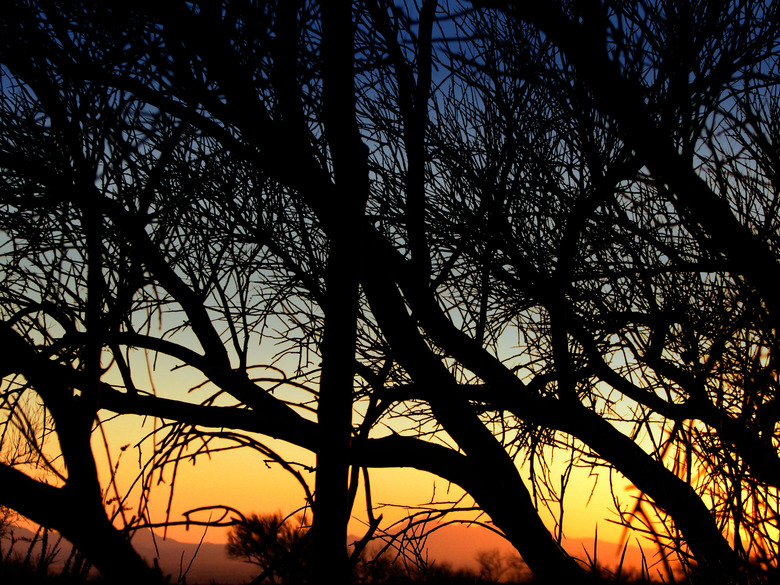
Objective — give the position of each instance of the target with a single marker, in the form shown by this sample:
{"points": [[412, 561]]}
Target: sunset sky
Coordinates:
{"points": [[246, 481]]}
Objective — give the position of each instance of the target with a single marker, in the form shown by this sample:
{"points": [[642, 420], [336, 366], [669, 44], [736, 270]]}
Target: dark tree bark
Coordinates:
{"points": [[348, 199]]}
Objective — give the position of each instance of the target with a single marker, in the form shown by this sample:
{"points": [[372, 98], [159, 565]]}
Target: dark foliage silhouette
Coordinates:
{"points": [[273, 543]]}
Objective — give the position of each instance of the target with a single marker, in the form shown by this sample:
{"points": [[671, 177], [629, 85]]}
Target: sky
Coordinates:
{"points": [[249, 483]]}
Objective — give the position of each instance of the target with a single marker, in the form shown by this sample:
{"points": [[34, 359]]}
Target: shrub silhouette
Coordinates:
{"points": [[274, 543]]}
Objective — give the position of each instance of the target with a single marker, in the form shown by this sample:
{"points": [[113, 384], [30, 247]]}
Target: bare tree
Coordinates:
{"points": [[506, 231]]}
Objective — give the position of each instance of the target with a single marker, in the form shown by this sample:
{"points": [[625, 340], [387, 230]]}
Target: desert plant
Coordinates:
{"points": [[274, 543]]}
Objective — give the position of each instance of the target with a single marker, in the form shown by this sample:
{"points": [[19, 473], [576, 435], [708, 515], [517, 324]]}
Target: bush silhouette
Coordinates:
{"points": [[274, 543]]}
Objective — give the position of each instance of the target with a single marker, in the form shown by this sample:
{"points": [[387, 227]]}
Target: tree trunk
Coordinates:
{"points": [[334, 410]]}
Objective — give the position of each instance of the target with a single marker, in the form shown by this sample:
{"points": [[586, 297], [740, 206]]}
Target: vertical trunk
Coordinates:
{"points": [[334, 416], [334, 411]]}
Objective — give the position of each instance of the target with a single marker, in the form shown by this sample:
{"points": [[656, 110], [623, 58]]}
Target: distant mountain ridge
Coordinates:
{"points": [[202, 563], [455, 545]]}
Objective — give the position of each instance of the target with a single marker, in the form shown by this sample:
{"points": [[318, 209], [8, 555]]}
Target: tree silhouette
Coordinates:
{"points": [[509, 232]]}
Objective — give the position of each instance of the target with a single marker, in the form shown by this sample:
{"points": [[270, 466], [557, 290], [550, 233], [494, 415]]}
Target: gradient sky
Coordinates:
{"points": [[244, 480]]}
